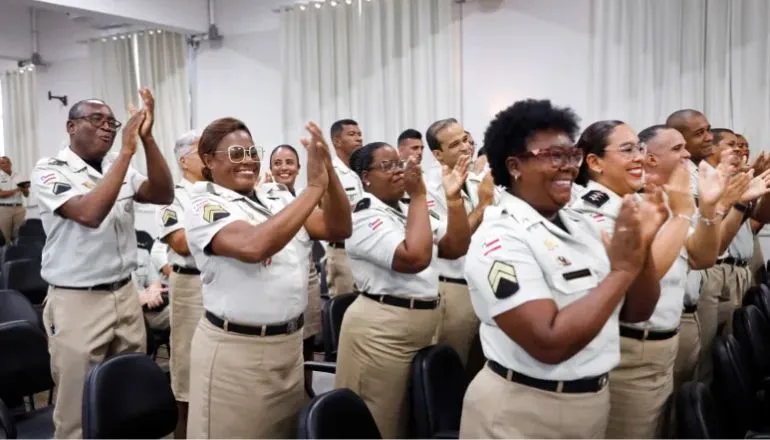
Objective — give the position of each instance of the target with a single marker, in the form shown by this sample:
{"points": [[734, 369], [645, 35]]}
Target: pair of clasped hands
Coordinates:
{"points": [[719, 189]]}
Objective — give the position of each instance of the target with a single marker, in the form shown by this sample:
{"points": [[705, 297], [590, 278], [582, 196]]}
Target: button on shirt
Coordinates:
{"points": [[517, 256], [268, 292], [75, 255], [603, 206], [378, 230], [349, 180], [172, 218], [8, 183]]}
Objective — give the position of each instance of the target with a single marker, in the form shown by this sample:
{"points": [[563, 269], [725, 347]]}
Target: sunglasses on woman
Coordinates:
{"points": [[237, 153]]}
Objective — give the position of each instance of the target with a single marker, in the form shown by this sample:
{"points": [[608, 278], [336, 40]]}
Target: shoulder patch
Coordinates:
{"points": [[169, 217], [362, 204], [596, 198], [60, 187], [213, 212], [502, 279]]}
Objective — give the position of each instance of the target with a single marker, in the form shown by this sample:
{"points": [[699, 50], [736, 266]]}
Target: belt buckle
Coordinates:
{"points": [[411, 303], [291, 326], [602, 381], [225, 325]]}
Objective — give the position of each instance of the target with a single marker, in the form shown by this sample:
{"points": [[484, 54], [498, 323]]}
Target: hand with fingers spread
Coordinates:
{"points": [[758, 187], [479, 164], [711, 184], [413, 181], [736, 186], [729, 159], [678, 191], [317, 138], [761, 163], [131, 130], [626, 249], [653, 211], [148, 100], [454, 179], [486, 190], [317, 170], [268, 177]]}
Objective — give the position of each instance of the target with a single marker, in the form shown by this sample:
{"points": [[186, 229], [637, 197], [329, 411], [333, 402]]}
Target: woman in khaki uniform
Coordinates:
{"points": [[390, 252], [253, 250], [548, 293], [284, 167]]}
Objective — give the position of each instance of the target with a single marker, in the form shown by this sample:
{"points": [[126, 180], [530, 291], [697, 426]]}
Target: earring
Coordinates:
{"points": [[516, 175], [368, 183]]}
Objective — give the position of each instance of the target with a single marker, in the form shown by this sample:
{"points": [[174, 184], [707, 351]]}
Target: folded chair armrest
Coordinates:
{"points": [[752, 434], [447, 434], [323, 367]]}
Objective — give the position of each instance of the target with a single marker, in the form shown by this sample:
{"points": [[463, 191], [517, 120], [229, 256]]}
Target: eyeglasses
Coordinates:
{"points": [[389, 166], [97, 120], [558, 157], [237, 153], [631, 150]]}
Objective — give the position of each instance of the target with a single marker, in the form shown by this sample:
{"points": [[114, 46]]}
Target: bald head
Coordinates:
{"points": [[696, 130]]}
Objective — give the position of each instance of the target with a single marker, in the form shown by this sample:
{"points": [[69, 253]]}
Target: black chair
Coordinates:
{"points": [[128, 396], [697, 413], [752, 332], [438, 385], [24, 276], [32, 240], [23, 252], [762, 300], [144, 240], [7, 424], [32, 227], [338, 414], [16, 307], [25, 369], [332, 314]]}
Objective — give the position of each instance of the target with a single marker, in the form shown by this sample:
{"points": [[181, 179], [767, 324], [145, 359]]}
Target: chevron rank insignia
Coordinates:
{"points": [[213, 212], [596, 198], [169, 217], [502, 278], [60, 187]]}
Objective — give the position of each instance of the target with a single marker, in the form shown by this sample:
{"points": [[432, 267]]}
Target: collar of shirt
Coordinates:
{"points": [[527, 216], [77, 164], [340, 166], [185, 184]]}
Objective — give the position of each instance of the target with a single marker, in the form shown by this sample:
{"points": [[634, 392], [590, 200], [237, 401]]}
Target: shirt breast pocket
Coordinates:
{"points": [[573, 284]]}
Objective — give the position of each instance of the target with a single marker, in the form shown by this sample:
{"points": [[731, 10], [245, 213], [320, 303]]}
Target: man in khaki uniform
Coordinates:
{"points": [[87, 208], [184, 282], [11, 205], [459, 325], [346, 138]]}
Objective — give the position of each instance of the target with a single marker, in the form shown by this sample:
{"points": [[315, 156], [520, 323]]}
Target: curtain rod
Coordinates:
{"points": [[303, 5], [121, 36]]}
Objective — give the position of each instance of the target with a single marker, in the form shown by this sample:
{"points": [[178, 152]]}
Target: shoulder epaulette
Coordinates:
{"points": [[56, 162], [210, 189], [362, 204], [596, 198]]}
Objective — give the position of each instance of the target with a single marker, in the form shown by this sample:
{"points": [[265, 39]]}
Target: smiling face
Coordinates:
{"points": [[284, 166], [454, 142], [240, 177], [621, 168], [385, 176], [697, 135], [90, 139]]}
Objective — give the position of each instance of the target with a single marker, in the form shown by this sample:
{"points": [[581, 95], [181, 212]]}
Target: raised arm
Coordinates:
{"points": [[159, 186], [454, 244]]}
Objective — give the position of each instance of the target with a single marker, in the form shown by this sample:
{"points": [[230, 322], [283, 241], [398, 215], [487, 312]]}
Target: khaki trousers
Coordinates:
{"points": [[641, 388], [244, 386], [11, 219], [339, 277], [186, 306], [737, 282], [708, 316], [459, 325], [84, 328], [689, 350], [377, 344], [497, 408], [312, 313]]}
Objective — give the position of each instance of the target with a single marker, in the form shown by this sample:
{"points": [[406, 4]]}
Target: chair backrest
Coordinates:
{"points": [[732, 385], [697, 413], [32, 240], [25, 366], [128, 396], [24, 276], [332, 314], [752, 332], [762, 300], [438, 386], [23, 252], [7, 425], [338, 414], [16, 307], [32, 228]]}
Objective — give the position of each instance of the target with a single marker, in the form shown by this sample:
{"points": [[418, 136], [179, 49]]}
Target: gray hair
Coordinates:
{"points": [[185, 142]]}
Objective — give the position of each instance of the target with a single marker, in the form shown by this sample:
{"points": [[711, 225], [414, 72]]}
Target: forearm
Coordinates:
{"points": [[336, 207], [643, 294], [419, 238], [7, 194], [668, 244], [476, 216], [761, 211], [455, 242], [161, 184], [703, 245], [92, 208]]}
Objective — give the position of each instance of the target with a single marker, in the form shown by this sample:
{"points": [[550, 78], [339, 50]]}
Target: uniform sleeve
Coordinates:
{"points": [[375, 238], [208, 215], [502, 269], [52, 187], [170, 218]]}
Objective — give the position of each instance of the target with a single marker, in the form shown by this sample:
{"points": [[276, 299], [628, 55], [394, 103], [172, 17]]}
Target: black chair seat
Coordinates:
{"points": [[338, 414], [32, 227], [438, 385], [697, 413], [128, 396], [37, 424], [24, 277], [332, 314], [25, 365], [752, 332]]}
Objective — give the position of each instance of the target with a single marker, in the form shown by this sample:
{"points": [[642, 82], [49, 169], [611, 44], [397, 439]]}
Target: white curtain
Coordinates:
{"points": [[650, 58], [113, 74], [162, 60], [388, 64], [19, 90]]}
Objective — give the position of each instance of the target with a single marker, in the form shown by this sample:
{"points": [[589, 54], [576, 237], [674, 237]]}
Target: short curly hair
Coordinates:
{"points": [[511, 129]]}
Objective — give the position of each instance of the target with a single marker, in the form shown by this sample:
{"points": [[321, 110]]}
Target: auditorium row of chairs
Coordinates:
{"points": [[737, 405]]}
